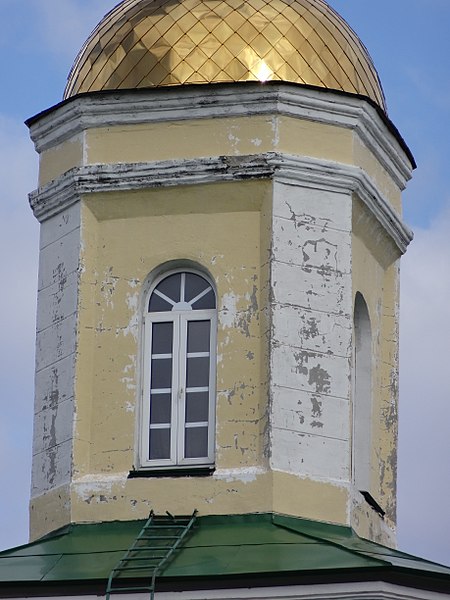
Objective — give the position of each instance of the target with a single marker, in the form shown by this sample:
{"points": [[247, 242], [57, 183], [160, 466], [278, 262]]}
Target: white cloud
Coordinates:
{"points": [[425, 393]]}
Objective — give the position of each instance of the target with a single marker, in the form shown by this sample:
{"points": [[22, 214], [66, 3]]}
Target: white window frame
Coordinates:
{"points": [[180, 320]]}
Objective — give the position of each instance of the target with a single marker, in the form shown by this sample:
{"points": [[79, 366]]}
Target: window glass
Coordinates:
{"points": [[166, 294], [194, 286], [198, 336], [158, 304], [160, 408], [197, 406], [197, 372], [161, 374], [196, 442], [170, 287], [159, 444], [206, 301], [162, 334]]}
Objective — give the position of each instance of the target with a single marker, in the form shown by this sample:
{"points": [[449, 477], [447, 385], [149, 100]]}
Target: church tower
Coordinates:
{"points": [[220, 207]]}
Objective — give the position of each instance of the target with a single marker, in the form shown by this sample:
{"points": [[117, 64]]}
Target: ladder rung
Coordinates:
{"points": [[152, 564], [160, 537], [168, 526], [158, 547], [139, 568], [141, 558], [131, 560], [137, 553], [130, 589], [152, 553], [181, 519]]}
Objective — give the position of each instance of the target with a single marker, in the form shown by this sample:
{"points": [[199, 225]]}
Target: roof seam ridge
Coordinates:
{"points": [[331, 542]]}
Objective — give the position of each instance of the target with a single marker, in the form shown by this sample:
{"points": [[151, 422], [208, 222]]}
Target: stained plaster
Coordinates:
{"points": [[55, 351], [281, 256], [189, 102], [306, 363], [376, 276]]}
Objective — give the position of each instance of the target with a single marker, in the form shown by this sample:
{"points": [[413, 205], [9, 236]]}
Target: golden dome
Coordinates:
{"points": [[156, 43]]}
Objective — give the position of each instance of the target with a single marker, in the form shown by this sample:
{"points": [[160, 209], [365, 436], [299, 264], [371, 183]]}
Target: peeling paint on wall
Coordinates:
{"points": [[245, 475], [284, 260], [228, 311]]}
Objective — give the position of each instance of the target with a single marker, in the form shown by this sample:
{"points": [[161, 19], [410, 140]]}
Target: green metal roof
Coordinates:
{"points": [[228, 547]]}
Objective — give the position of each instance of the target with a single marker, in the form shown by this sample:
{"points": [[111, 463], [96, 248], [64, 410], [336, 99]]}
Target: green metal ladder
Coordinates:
{"points": [[150, 553]]}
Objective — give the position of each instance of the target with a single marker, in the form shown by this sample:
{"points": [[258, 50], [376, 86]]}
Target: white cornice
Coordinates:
{"points": [[337, 176], [368, 590], [198, 102], [289, 169]]}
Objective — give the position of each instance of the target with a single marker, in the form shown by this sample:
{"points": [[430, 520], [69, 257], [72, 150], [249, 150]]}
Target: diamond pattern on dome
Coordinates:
{"points": [[154, 43]]}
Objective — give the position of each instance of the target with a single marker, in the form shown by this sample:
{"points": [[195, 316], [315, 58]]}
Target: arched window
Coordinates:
{"points": [[179, 372], [362, 395]]}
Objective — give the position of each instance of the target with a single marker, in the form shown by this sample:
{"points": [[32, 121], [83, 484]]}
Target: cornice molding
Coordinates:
{"points": [[201, 102], [316, 173], [289, 169], [362, 590]]}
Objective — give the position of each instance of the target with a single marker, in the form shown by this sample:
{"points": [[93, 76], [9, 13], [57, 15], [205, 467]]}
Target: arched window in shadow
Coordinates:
{"points": [[362, 395], [177, 416]]}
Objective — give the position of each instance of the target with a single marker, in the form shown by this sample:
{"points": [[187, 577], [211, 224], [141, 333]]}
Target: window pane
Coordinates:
{"points": [[206, 301], [196, 442], [158, 304], [197, 406], [198, 336], [194, 286], [159, 443], [197, 372], [170, 287], [161, 373], [160, 408], [162, 334]]}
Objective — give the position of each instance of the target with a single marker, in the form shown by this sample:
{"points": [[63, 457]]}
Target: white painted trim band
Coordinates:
{"points": [[369, 590], [206, 102], [293, 170]]}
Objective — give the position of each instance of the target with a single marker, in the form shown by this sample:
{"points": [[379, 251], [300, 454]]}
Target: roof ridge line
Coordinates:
{"points": [[330, 542]]}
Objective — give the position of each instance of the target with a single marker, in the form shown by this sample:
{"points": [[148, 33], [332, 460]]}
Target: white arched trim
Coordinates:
{"points": [[177, 416]]}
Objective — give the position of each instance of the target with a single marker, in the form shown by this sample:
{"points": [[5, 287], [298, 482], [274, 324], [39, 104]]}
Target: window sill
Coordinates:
{"points": [[172, 472]]}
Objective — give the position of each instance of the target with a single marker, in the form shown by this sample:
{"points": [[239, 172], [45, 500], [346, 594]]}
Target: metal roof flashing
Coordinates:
{"points": [[254, 550]]}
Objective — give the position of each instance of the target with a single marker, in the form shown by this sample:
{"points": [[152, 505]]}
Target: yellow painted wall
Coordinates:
{"points": [[224, 228], [216, 227], [375, 276], [146, 142], [61, 158], [232, 136], [365, 159]]}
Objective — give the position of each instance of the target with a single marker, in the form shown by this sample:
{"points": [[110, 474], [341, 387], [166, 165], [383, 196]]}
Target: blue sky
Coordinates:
{"points": [[410, 45]]}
